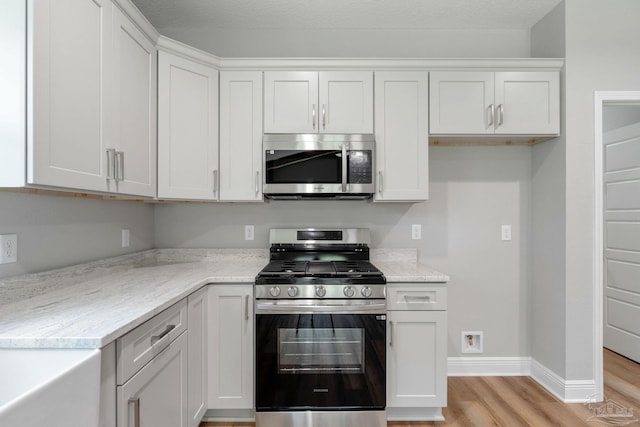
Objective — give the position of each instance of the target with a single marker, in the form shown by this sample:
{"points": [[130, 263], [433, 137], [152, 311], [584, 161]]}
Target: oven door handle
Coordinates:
{"points": [[291, 307]]}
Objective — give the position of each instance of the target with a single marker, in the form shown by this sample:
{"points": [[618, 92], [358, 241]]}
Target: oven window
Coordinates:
{"points": [[303, 166], [320, 351]]}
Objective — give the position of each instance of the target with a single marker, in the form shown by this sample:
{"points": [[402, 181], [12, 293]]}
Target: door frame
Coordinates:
{"points": [[601, 99]]}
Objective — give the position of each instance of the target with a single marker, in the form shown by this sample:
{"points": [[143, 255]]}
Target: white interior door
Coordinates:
{"points": [[622, 240]]}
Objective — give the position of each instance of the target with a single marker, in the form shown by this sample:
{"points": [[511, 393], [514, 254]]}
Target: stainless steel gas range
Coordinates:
{"points": [[320, 331]]}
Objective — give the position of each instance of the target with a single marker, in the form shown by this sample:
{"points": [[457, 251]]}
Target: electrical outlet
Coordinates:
{"points": [[8, 248], [506, 232], [416, 231], [248, 232], [125, 238]]}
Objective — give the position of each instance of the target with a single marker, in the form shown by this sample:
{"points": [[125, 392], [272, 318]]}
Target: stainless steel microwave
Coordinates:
{"points": [[300, 166]]}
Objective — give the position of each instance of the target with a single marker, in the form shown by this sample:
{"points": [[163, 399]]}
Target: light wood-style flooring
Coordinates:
{"points": [[520, 401]]}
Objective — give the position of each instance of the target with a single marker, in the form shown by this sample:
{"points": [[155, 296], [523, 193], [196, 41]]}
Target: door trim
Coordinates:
{"points": [[601, 98]]}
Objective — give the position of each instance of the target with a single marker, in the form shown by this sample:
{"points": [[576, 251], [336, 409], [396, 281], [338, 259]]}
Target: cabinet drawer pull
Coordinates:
{"points": [[390, 333], [136, 410], [418, 297], [156, 338], [500, 114]]}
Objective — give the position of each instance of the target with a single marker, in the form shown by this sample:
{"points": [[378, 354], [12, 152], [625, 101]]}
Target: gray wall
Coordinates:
{"points": [[58, 231], [473, 191], [484, 43], [548, 303], [602, 43]]}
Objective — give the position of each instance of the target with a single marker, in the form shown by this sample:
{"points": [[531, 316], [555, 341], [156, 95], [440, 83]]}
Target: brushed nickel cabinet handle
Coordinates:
{"points": [[111, 163], [136, 410], [215, 182], [257, 182], [324, 117], [492, 111], [313, 114], [500, 114], [379, 181], [119, 167], [390, 333], [156, 338], [246, 307]]}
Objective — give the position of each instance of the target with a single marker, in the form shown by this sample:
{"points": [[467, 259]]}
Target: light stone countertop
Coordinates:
{"points": [[92, 304]]}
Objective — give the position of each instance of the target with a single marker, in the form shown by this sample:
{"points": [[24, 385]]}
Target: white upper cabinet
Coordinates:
{"points": [[187, 129], [90, 83], [402, 137], [67, 97], [509, 103], [241, 136], [134, 108], [312, 102]]}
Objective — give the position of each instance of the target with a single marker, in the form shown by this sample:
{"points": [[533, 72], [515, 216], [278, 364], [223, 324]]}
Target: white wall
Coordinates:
{"points": [[356, 43], [474, 190], [58, 231]]}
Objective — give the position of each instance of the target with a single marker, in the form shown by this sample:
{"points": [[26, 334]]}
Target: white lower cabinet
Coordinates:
{"points": [[197, 304], [231, 328], [151, 371], [416, 357], [157, 395]]}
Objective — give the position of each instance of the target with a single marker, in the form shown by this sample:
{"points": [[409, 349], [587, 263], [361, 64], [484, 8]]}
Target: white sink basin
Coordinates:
{"points": [[49, 387]]}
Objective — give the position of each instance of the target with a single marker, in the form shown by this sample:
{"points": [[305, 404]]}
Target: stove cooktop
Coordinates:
{"points": [[320, 269]]}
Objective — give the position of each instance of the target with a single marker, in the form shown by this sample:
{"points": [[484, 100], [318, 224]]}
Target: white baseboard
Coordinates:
{"points": [[569, 391], [488, 366]]}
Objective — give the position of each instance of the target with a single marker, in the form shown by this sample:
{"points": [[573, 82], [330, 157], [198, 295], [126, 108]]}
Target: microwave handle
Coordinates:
{"points": [[345, 148]]}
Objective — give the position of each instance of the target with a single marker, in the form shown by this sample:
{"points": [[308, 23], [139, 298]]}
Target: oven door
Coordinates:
{"points": [[320, 358]]}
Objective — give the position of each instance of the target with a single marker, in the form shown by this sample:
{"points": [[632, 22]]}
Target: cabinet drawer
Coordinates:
{"points": [[139, 346], [416, 297]]}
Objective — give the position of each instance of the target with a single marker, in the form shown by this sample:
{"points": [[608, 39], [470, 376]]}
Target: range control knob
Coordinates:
{"points": [[292, 291], [274, 291], [321, 291], [366, 292], [349, 291]]}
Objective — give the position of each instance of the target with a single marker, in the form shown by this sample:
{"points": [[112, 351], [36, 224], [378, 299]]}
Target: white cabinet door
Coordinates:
{"points": [[241, 136], [510, 103], [291, 102], [461, 102], [346, 102], [416, 359], [231, 347], [402, 137], [527, 103], [67, 100], [197, 307], [134, 108], [187, 129], [157, 394]]}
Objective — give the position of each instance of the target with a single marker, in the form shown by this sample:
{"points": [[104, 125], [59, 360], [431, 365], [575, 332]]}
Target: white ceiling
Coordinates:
{"points": [[345, 14]]}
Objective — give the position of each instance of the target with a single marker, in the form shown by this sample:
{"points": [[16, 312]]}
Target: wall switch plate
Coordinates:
{"points": [[125, 238], [8, 248], [506, 232], [248, 232], [416, 231]]}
